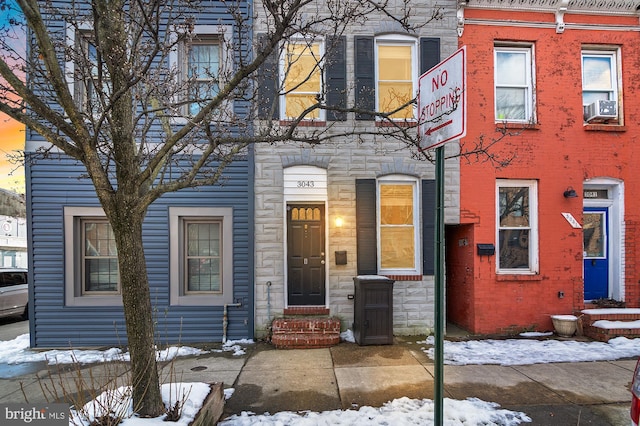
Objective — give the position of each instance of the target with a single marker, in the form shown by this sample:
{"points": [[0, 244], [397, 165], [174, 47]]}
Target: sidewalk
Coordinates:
{"points": [[348, 376]]}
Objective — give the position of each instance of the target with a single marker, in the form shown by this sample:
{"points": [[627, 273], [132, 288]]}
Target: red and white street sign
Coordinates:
{"points": [[442, 101]]}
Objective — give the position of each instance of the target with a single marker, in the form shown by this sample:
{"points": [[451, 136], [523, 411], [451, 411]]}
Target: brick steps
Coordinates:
{"points": [[606, 323], [305, 332]]}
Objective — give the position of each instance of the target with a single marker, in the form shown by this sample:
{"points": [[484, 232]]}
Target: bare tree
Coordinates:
{"points": [[99, 84]]}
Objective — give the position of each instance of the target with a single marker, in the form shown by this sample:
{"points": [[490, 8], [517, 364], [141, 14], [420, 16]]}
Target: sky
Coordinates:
{"points": [[402, 411], [12, 135], [11, 141]]}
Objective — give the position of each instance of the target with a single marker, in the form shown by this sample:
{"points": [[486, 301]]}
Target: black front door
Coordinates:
{"points": [[305, 255]]}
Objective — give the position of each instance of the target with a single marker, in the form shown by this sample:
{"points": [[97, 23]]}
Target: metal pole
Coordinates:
{"points": [[439, 290]]}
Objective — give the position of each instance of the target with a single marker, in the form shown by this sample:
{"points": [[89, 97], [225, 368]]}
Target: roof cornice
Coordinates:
{"points": [[557, 7]]}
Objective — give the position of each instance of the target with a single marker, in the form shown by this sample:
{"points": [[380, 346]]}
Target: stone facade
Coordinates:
{"points": [[344, 160]]}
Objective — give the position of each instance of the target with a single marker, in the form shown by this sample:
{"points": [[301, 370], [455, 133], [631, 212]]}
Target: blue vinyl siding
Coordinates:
{"points": [[56, 183]]}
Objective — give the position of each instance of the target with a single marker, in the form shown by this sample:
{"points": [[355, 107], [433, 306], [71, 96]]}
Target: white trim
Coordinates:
{"points": [[72, 293], [534, 255], [544, 25], [398, 40], [301, 197], [529, 103], [177, 65], [400, 179], [282, 64], [176, 214], [616, 223]]}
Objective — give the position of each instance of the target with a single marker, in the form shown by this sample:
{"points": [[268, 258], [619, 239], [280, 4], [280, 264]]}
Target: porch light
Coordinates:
{"points": [[570, 193], [339, 222]]}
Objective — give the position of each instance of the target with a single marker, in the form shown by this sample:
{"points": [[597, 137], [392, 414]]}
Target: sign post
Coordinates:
{"points": [[442, 106]]}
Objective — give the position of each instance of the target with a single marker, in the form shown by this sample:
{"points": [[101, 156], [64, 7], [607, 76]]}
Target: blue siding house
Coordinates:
{"points": [[72, 304]]}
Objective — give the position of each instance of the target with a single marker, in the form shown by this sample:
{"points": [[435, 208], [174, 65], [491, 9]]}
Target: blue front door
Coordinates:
{"points": [[596, 249]]}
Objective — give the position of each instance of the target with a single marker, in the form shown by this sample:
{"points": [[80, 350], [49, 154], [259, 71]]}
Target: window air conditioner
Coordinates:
{"points": [[601, 110]]}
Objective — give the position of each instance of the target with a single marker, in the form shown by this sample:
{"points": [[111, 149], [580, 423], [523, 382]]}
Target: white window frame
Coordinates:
{"points": [[74, 31], [532, 185], [397, 40], [529, 86], [178, 60], [178, 295], [283, 71], [73, 260], [612, 53], [406, 180]]}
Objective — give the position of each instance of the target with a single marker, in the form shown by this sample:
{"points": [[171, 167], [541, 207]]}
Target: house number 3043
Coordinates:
{"points": [[305, 184]]}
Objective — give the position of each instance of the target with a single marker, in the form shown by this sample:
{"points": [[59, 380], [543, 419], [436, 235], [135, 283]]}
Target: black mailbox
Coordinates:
{"points": [[341, 257], [486, 249], [373, 310]]}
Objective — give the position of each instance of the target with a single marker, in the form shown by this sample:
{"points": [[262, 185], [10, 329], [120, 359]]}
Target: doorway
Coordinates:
{"points": [[596, 252], [306, 255]]}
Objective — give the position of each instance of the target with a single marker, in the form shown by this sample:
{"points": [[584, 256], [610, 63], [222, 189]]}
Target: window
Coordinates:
{"points": [[600, 81], [95, 80], [91, 259], [201, 255], [513, 84], [202, 70], [302, 79], [398, 240], [517, 227], [202, 61], [84, 76], [99, 258], [396, 76]]}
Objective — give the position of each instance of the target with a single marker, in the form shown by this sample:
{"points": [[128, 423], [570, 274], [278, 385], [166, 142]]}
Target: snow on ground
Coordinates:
{"points": [[402, 411], [526, 351]]}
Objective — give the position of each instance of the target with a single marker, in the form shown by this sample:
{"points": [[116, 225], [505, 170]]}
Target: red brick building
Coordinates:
{"points": [[558, 225]]}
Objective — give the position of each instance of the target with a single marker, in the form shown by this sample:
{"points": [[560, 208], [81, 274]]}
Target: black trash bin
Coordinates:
{"points": [[373, 310]]}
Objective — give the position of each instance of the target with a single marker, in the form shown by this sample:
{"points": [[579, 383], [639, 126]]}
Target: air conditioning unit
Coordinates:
{"points": [[601, 110]]}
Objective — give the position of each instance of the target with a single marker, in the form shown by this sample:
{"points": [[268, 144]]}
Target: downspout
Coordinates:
{"points": [[225, 319], [268, 301]]}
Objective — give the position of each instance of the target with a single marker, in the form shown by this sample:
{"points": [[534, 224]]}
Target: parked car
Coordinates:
{"points": [[635, 396], [14, 292]]}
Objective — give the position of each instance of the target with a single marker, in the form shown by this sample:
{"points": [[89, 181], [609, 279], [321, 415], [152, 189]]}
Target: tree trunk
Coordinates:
{"points": [[136, 299]]}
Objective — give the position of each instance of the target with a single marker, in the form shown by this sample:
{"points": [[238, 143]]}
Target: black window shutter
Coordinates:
{"points": [[428, 226], [366, 224], [336, 77], [429, 53], [267, 80], [364, 76]]}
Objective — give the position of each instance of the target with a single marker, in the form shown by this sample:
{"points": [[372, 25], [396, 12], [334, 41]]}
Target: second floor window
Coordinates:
{"points": [[600, 85], [91, 78], [202, 69], [513, 84], [599, 76], [302, 79], [397, 75]]}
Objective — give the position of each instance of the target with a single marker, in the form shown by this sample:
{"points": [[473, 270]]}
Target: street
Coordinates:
{"points": [[12, 327]]}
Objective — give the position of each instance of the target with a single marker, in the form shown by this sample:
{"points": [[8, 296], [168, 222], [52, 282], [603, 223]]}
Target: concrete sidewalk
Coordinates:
{"points": [[348, 376]]}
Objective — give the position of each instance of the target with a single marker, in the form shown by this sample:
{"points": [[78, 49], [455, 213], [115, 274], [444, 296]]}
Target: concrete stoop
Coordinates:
{"points": [[606, 323], [305, 332]]}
